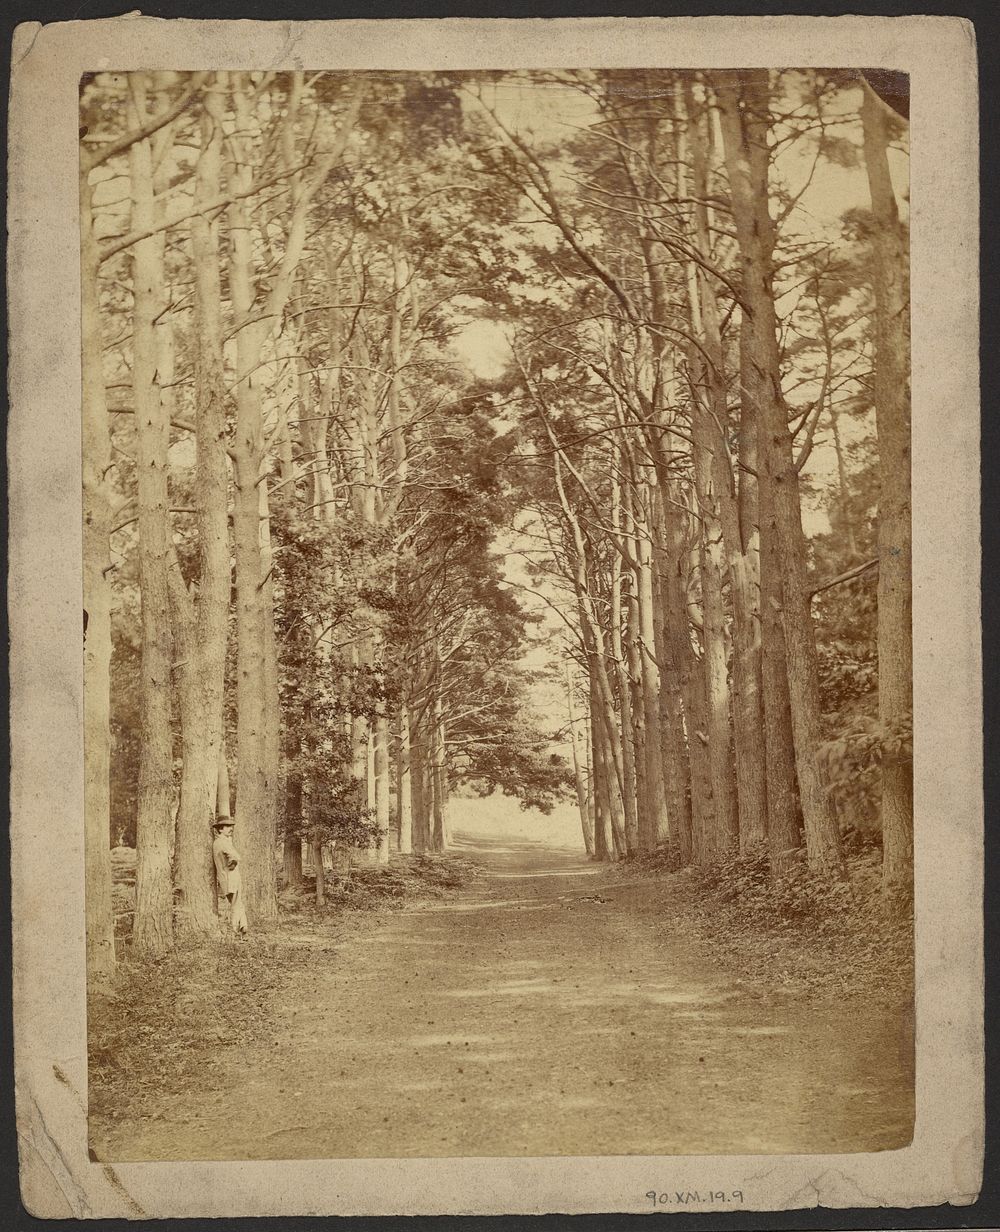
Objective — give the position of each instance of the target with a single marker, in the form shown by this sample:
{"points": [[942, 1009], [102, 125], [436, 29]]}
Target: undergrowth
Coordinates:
{"points": [[160, 1023], [368, 888], [802, 932]]}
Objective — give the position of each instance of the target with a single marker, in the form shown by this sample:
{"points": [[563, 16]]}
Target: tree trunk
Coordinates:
{"points": [[254, 786], [603, 840], [719, 502], [578, 773], [784, 837], [591, 780], [714, 663], [629, 785], [268, 908], [672, 615], [96, 609], [691, 681], [205, 623], [317, 859], [404, 798], [381, 758], [657, 825], [439, 772], [152, 933], [419, 785], [635, 680], [892, 417], [744, 102]]}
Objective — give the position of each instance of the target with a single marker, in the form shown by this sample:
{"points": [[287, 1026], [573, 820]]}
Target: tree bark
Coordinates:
{"points": [[420, 784], [578, 771], [657, 825], [691, 675], [439, 775], [629, 784], [744, 105], [404, 797], [892, 417], [719, 504], [603, 840], [255, 778], [672, 643], [784, 825], [152, 933], [96, 608], [381, 739], [203, 623], [714, 660]]}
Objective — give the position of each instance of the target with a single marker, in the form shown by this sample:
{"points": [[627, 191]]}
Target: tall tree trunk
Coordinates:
{"points": [[420, 782], [719, 502], [404, 797], [644, 807], [784, 837], [268, 907], [657, 825], [892, 417], [754, 777], [714, 662], [603, 840], [591, 772], [677, 775], [316, 848], [257, 694], [744, 99], [204, 622], [595, 647], [254, 784], [153, 927], [381, 768], [578, 770], [691, 680], [439, 774], [96, 608], [629, 786]]}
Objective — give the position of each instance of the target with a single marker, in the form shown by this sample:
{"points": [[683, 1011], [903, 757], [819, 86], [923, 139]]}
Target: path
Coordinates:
{"points": [[528, 1017]]}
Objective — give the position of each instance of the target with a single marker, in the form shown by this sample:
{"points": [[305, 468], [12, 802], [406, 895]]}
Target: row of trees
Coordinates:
{"points": [[701, 337], [289, 490], [294, 487]]}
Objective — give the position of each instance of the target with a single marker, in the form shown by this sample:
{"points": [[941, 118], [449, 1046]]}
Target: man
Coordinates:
{"points": [[227, 872]]}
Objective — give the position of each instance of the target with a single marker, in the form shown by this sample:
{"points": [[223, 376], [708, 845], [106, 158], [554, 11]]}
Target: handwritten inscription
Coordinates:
{"points": [[692, 1197]]}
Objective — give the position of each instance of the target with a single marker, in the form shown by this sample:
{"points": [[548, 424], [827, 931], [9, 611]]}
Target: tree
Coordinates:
{"points": [[744, 99], [892, 412], [153, 928]]}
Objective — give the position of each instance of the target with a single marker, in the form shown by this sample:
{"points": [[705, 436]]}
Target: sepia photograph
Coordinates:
{"points": [[497, 612], [491, 646]]}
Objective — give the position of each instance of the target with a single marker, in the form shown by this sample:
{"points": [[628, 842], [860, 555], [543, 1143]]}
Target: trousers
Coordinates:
{"points": [[237, 912]]}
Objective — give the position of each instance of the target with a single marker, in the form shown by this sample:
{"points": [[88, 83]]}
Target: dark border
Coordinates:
{"points": [[986, 18]]}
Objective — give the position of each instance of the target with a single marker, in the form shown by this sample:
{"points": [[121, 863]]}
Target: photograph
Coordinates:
{"points": [[495, 636], [498, 672]]}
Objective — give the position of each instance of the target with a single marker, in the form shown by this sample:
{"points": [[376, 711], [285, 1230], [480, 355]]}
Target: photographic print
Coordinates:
{"points": [[497, 619]]}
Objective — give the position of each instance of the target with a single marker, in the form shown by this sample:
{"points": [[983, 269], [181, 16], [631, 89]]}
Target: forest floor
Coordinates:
{"points": [[517, 1000]]}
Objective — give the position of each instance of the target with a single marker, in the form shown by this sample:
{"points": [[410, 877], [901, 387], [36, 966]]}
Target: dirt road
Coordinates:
{"points": [[546, 1010]]}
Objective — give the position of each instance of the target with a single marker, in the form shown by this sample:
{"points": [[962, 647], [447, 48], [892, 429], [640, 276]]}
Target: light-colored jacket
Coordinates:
{"points": [[227, 860]]}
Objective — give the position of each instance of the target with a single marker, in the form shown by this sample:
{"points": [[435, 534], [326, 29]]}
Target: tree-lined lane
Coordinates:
{"points": [[545, 1010]]}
